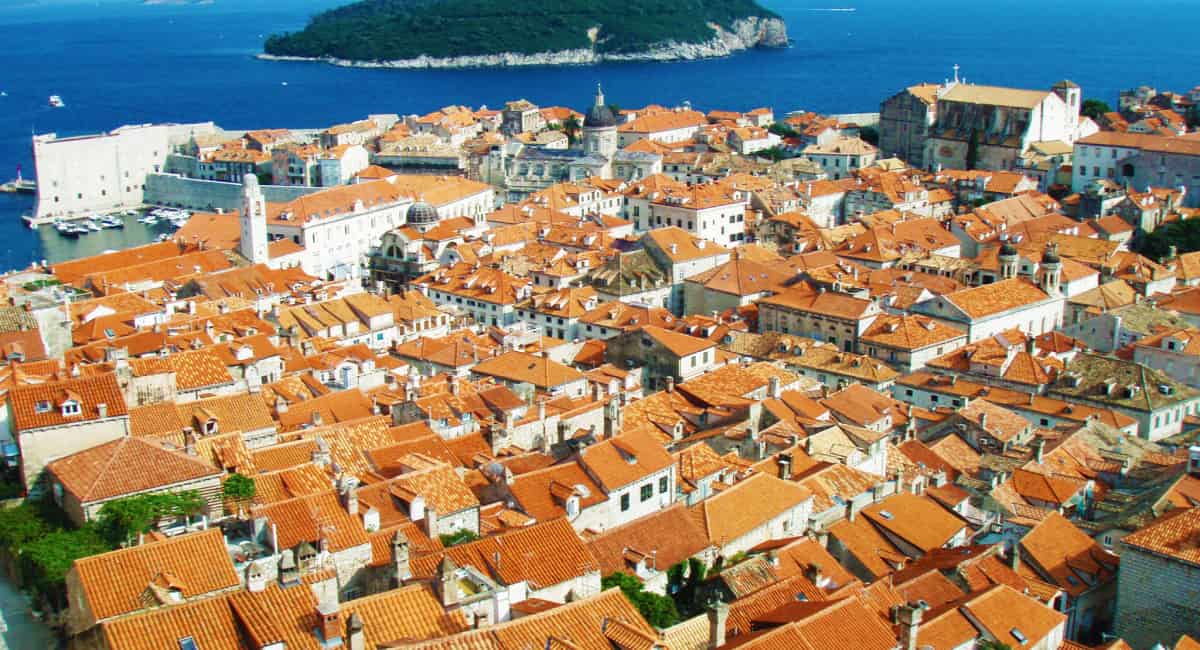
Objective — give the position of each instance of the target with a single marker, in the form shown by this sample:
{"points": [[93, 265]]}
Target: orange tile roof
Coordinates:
{"points": [[89, 392], [1066, 556], [989, 299], [543, 493], [544, 554], [542, 372], [312, 518], [1173, 535], [745, 506], [1002, 610], [919, 521], [624, 459], [579, 625], [908, 332], [114, 583], [103, 472]]}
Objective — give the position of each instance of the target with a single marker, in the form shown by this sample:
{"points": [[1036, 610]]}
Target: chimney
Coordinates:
{"points": [[909, 619], [347, 487], [102, 410], [317, 419], [813, 573], [670, 384], [354, 633], [400, 558], [774, 387], [983, 421], [1014, 557], [718, 617], [256, 579], [785, 466], [189, 440], [330, 617], [1039, 448], [431, 517]]}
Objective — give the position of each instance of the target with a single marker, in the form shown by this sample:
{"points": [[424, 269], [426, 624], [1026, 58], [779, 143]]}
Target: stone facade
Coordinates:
{"points": [[1158, 599]]}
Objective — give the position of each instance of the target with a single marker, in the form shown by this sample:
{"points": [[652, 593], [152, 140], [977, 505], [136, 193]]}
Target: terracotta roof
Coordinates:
{"points": [[103, 472], [868, 546], [907, 332], [1003, 612], [1066, 556], [544, 555], [737, 510], [617, 549], [1173, 535], [995, 298], [40, 405], [543, 493], [196, 564], [919, 521], [541, 372], [579, 625], [313, 517], [624, 459], [742, 277]]}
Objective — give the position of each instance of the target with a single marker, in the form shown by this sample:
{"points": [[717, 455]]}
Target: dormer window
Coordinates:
{"points": [[210, 427], [70, 408], [42, 406]]}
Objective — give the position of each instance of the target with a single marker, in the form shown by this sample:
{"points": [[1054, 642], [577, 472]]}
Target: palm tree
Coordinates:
{"points": [[571, 127]]}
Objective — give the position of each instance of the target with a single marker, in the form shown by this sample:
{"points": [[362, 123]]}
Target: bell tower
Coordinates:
{"points": [[253, 245]]}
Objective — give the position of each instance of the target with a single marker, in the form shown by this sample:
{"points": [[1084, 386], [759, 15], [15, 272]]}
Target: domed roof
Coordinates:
{"points": [[1051, 256], [599, 115], [1007, 249], [422, 212]]}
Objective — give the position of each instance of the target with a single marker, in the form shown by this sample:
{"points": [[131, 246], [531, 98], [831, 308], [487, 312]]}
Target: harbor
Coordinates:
{"points": [[66, 240]]}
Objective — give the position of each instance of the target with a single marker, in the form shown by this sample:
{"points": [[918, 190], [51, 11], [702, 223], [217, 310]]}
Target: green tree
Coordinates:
{"points": [[658, 611], [1183, 235], [46, 560], [239, 489], [121, 520], [993, 645], [783, 130], [1094, 108], [457, 537], [973, 149]]}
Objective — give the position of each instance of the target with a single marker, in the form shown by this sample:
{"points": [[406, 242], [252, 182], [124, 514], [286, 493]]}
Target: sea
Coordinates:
{"points": [[117, 62]]}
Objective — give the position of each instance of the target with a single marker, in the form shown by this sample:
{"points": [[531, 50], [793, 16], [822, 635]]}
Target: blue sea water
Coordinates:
{"points": [[120, 62]]}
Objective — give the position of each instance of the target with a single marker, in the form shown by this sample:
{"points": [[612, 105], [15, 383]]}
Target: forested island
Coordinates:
{"points": [[457, 33]]}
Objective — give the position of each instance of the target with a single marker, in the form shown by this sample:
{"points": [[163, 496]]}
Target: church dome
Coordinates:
{"points": [[422, 213], [599, 117], [1051, 256], [1007, 249]]}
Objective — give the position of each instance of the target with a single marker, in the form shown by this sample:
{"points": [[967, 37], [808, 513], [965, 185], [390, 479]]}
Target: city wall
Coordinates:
{"points": [[210, 196]]}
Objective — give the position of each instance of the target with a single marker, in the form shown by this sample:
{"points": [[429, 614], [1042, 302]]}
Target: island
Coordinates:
{"points": [[484, 33]]}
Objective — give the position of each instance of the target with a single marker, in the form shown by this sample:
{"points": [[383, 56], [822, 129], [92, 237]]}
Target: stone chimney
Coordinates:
{"points": [[317, 419], [670, 384], [1039, 448], [908, 618], [431, 521], [718, 618], [355, 636], [774, 389], [102, 410], [348, 486], [446, 585], [785, 466], [400, 558]]}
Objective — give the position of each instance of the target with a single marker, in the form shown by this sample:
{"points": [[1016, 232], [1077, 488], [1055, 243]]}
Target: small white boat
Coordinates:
{"points": [[91, 225], [56, 101]]}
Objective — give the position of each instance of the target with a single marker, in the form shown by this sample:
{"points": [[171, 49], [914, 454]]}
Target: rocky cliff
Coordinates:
{"points": [[745, 33]]}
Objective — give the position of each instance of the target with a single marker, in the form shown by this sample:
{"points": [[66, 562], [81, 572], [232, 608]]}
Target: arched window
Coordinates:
{"points": [[1127, 170]]}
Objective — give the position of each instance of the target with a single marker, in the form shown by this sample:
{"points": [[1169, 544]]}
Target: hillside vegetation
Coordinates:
{"points": [[380, 30]]}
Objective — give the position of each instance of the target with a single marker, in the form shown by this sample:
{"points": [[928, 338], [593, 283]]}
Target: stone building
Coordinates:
{"points": [[1157, 599], [904, 121]]}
